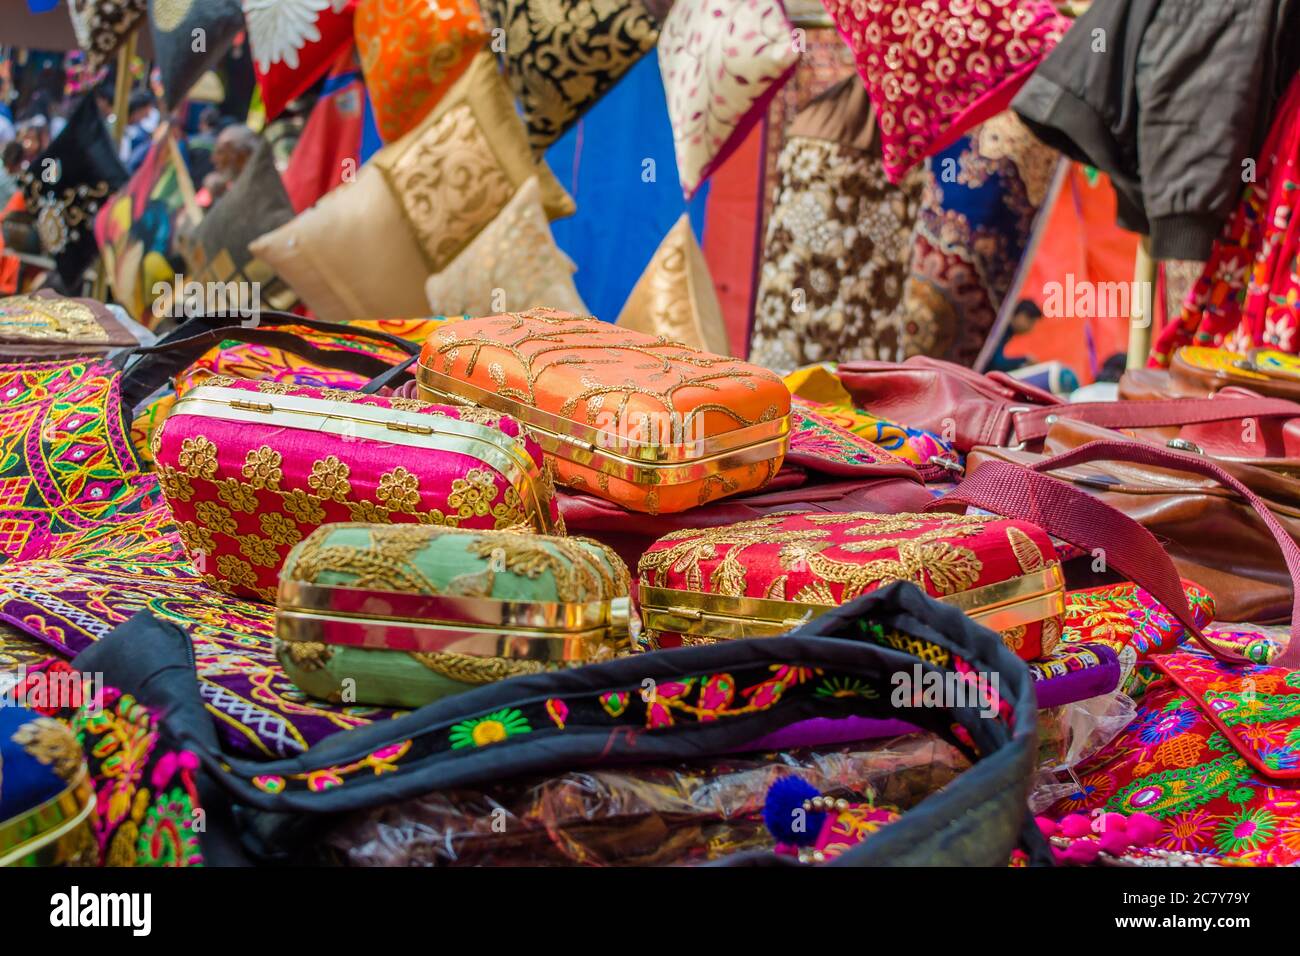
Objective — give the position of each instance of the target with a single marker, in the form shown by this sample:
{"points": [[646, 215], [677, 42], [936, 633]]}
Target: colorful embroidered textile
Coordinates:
{"points": [[1121, 615], [825, 445], [1173, 763], [147, 810], [69, 483], [935, 68], [817, 388], [86, 542], [981, 196], [1249, 291]]}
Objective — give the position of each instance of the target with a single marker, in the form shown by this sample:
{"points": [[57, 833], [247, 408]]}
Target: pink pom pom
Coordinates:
{"points": [[1047, 827], [1081, 852], [1076, 825], [1115, 841], [1143, 829], [1110, 822]]}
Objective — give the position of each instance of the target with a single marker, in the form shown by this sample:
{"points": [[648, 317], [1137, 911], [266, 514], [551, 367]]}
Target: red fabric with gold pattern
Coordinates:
{"points": [[825, 560], [245, 492]]}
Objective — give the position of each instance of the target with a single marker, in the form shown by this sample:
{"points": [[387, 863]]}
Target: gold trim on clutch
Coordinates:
{"points": [[1018, 601], [392, 425], [296, 626], [580, 437], [444, 610]]}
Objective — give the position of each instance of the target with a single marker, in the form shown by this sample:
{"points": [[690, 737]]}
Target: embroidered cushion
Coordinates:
{"points": [[102, 25], [412, 52], [977, 210], [293, 43], [460, 166], [935, 68], [352, 255], [675, 298], [218, 250], [512, 265], [561, 57], [184, 53], [722, 61], [83, 166], [837, 247]]}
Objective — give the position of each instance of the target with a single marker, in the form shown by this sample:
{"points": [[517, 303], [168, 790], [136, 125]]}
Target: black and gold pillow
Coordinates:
{"points": [[189, 37], [65, 186], [102, 25], [561, 56], [217, 250]]}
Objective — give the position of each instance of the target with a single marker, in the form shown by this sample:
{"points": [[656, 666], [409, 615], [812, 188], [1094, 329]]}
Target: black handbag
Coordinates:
{"points": [[664, 706]]}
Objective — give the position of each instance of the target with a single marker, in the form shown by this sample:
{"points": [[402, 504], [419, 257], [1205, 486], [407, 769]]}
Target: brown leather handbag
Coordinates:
{"points": [[1217, 535], [969, 409]]}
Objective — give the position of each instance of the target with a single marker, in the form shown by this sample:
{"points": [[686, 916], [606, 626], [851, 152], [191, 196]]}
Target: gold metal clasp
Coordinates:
{"points": [[409, 427], [265, 407]]}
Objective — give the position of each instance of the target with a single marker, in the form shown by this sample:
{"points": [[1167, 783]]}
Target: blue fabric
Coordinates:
{"points": [[41, 6], [370, 141], [621, 218], [25, 782]]}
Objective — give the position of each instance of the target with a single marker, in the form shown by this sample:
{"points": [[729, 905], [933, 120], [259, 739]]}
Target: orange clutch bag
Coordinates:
{"points": [[647, 423]]}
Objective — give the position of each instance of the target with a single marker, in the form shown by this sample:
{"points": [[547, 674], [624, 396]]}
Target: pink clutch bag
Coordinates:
{"points": [[251, 468]]}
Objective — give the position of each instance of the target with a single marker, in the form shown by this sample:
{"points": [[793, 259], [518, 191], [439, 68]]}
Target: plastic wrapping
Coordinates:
{"points": [[1069, 735], [635, 816]]}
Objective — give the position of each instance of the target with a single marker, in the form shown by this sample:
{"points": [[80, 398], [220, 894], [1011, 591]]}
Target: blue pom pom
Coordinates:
{"points": [[785, 816]]}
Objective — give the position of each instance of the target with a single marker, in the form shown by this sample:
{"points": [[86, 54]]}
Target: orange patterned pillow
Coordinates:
{"points": [[412, 52]]}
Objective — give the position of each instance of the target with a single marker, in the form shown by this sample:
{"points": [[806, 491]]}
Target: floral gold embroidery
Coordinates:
{"points": [[262, 468], [399, 490], [198, 457], [329, 478], [367, 511], [175, 484], [215, 517], [196, 538], [303, 507], [236, 571], [237, 495], [279, 529], [259, 550]]}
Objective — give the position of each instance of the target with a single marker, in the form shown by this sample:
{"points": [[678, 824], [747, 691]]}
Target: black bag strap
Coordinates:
{"points": [[606, 720], [146, 368]]}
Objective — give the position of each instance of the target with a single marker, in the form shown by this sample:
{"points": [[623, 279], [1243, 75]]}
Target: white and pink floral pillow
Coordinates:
{"points": [[722, 61], [936, 68]]}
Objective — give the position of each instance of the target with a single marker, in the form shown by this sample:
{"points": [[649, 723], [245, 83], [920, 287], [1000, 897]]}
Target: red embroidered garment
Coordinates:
{"points": [[935, 68], [1249, 292]]}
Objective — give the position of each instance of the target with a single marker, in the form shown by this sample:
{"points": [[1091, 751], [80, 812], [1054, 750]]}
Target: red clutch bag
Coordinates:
{"points": [[765, 577], [251, 468]]}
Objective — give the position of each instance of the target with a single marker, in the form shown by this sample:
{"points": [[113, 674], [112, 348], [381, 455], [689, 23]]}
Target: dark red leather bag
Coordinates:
{"points": [[970, 409]]}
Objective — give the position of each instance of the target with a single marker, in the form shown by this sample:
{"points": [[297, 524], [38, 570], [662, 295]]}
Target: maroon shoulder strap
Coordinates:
{"points": [[1075, 516], [1032, 425]]}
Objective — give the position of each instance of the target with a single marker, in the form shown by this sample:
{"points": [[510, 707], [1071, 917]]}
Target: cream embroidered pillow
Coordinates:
{"points": [[351, 256], [675, 297], [721, 61], [454, 172], [511, 266]]}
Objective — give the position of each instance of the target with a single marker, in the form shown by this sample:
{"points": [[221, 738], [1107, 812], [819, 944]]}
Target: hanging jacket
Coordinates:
{"points": [[1171, 98]]}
